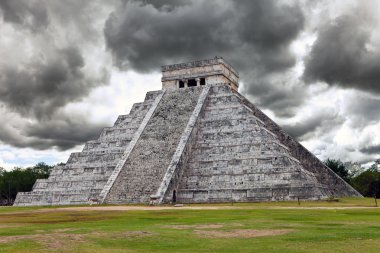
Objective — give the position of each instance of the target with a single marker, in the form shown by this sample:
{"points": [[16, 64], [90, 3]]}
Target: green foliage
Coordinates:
{"points": [[20, 180], [368, 182], [338, 167], [365, 181]]}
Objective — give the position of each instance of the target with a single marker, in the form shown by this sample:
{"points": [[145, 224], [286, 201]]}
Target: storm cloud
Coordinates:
{"points": [[363, 109], [30, 14], [62, 131], [313, 67], [346, 54], [373, 150], [318, 122], [43, 69], [40, 87], [143, 36], [254, 36]]}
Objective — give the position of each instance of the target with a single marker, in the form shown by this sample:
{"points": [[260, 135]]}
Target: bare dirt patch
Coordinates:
{"points": [[241, 233], [51, 241], [194, 226], [122, 234], [203, 226], [58, 238], [11, 225]]}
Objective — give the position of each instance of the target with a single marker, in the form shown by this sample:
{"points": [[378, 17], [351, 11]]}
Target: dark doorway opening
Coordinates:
{"points": [[174, 196], [203, 81], [192, 83], [181, 84]]}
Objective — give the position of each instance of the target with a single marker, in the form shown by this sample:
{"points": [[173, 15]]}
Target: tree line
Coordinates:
{"points": [[365, 181], [20, 180]]}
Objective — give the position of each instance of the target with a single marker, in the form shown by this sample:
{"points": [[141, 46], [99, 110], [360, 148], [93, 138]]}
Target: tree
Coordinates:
{"points": [[20, 180], [368, 182], [338, 167], [42, 170]]}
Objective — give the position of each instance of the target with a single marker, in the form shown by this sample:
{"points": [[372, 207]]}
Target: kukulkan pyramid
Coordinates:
{"points": [[195, 141]]}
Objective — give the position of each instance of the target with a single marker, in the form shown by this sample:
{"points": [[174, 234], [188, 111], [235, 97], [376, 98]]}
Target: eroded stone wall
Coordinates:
{"points": [[85, 173], [335, 185], [145, 168], [235, 158]]}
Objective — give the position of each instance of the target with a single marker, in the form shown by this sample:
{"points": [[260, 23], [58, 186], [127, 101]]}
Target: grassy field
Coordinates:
{"points": [[254, 227]]}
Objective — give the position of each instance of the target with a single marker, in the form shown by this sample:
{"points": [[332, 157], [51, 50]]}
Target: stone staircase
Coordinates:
{"points": [[84, 175], [236, 158], [147, 163]]}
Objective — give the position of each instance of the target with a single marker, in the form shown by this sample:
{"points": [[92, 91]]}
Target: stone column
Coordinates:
{"points": [[198, 81], [185, 82]]}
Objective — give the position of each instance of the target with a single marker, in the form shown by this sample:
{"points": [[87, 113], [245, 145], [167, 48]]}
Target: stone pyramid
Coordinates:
{"points": [[195, 141]]}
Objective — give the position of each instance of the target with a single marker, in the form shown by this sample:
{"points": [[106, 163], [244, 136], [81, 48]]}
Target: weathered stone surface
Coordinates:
{"points": [[190, 145], [174, 172], [235, 158], [335, 185], [144, 170], [86, 173], [212, 71]]}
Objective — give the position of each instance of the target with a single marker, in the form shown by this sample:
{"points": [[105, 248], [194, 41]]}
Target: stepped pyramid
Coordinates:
{"points": [[195, 141]]}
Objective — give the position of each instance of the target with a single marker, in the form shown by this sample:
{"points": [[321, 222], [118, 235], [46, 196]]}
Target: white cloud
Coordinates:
{"points": [[11, 157]]}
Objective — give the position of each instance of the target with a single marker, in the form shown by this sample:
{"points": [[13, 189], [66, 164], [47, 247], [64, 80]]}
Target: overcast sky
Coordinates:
{"points": [[68, 68]]}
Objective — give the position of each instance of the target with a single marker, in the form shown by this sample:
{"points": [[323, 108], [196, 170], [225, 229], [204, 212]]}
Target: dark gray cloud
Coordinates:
{"points": [[365, 106], [51, 72], [30, 14], [302, 128], [254, 36], [62, 131], [345, 55], [167, 5], [37, 91], [317, 122], [372, 150], [39, 88], [283, 96], [143, 36], [363, 110]]}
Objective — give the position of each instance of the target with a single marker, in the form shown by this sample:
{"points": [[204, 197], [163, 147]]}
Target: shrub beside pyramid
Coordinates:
{"points": [[195, 141]]}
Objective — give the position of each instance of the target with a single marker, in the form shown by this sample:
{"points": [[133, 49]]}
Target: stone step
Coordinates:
{"points": [[117, 131], [71, 197], [81, 170], [248, 195], [108, 143], [144, 169], [243, 147], [78, 158], [151, 95], [122, 118], [105, 146], [71, 184]]}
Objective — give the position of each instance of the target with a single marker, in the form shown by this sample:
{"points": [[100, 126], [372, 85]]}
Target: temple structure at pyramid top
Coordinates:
{"points": [[197, 73], [195, 141]]}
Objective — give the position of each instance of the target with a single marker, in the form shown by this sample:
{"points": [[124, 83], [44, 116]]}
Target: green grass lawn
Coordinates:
{"points": [[248, 227]]}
